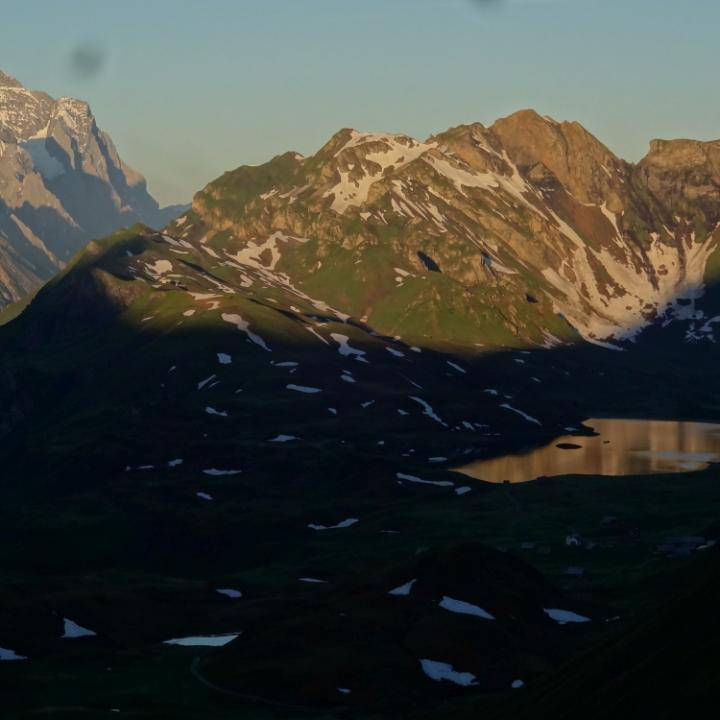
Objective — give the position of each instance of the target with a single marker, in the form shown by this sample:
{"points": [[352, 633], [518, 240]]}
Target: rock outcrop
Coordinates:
{"points": [[62, 183]]}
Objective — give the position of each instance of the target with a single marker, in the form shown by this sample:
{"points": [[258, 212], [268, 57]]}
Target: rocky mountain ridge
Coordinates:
{"points": [[526, 212], [62, 183]]}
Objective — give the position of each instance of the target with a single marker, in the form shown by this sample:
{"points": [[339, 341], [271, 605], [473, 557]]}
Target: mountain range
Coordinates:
{"points": [[530, 232], [247, 425], [62, 183]]}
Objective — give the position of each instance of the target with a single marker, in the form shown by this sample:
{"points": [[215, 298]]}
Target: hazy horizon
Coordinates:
{"points": [[189, 91]]}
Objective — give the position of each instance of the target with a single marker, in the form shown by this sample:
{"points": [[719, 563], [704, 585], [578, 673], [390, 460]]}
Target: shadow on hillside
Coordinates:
{"points": [[63, 239], [76, 364]]}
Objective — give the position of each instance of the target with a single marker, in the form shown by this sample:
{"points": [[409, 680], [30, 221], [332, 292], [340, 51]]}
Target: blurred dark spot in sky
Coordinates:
{"points": [[86, 61], [487, 4]]}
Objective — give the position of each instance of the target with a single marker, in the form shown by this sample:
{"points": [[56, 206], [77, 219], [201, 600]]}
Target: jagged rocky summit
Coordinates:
{"points": [[62, 183], [530, 231]]}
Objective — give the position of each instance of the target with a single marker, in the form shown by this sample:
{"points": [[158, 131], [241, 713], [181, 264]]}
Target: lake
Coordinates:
{"points": [[621, 447]]}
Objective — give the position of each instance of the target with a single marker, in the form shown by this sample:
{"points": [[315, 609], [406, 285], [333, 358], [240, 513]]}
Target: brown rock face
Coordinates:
{"points": [[684, 175], [581, 163], [8, 81]]}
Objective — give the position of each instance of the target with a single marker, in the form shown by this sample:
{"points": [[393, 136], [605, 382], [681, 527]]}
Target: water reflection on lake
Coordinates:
{"points": [[622, 447]]}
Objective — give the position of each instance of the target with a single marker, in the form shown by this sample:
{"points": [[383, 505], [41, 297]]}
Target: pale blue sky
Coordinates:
{"points": [[190, 88]]}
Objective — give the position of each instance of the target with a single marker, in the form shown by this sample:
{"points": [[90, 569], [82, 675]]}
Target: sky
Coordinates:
{"points": [[190, 88]]}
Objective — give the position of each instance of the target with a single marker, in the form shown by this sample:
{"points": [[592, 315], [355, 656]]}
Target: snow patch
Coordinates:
{"points": [[456, 367], [252, 254], [73, 630], [443, 671], [403, 590], [203, 640], [204, 382], [414, 479], [464, 608], [10, 655], [345, 349], [229, 592], [244, 326], [212, 411], [529, 418], [342, 524], [565, 616], [427, 410], [303, 389]]}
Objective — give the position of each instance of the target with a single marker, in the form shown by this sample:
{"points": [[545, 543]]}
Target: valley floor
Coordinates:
{"points": [[292, 651]]}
